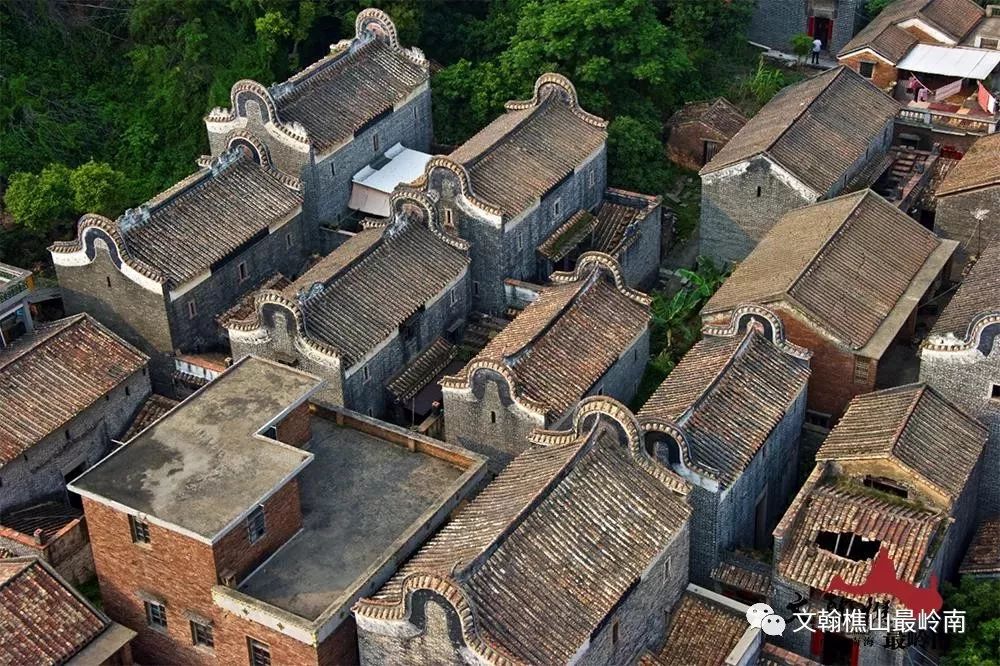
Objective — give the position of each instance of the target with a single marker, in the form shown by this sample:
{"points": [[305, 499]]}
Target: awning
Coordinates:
{"points": [[372, 185], [962, 63]]}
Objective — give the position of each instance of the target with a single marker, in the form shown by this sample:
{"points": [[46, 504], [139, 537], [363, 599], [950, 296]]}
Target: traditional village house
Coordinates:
{"points": [[707, 629], [898, 475], [220, 533], [625, 225], [363, 312], [161, 274], [43, 620], [585, 334], [808, 143], [968, 202], [519, 575], [939, 58], [518, 180], [700, 129], [334, 118], [842, 278], [961, 359], [65, 390], [15, 312], [774, 22], [727, 419]]}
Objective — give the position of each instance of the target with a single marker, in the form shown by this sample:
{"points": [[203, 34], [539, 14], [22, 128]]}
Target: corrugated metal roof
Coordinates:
{"points": [[963, 63]]}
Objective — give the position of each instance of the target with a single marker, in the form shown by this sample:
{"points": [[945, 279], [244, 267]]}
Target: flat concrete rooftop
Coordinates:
{"points": [[363, 499], [203, 465]]}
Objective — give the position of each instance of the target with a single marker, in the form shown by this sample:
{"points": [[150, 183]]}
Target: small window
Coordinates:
{"points": [[557, 208], [255, 524], [493, 417], [128, 391], [666, 567], [862, 367], [635, 354], [995, 392], [201, 634], [591, 178], [475, 288], [156, 615], [242, 269], [614, 633], [333, 169], [448, 219], [371, 412], [415, 113], [139, 529], [518, 241], [758, 190], [260, 653], [375, 142], [192, 309], [288, 241], [986, 43], [866, 69], [885, 485], [453, 297], [107, 278], [708, 150], [366, 374], [68, 436]]}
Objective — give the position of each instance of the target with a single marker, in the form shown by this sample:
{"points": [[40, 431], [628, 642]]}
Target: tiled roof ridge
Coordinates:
{"points": [[511, 357], [749, 337], [114, 234], [45, 333], [907, 416], [28, 561], [937, 25], [536, 110]]}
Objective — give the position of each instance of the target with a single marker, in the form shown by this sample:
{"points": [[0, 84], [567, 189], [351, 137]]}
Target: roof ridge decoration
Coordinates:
{"points": [[590, 262], [601, 405], [405, 197], [98, 227], [554, 83], [745, 316], [249, 90], [972, 338], [462, 175]]}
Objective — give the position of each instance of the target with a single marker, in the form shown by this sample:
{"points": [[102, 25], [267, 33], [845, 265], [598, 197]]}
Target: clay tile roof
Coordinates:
{"points": [[525, 152], [772, 655], [914, 425], [814, 128], [883, 35], [53, 374], [702, 633], [744, 574], [340, 94], [41, 620], [983, 556], [49, 517], [845, 262], [719, 114], [543, 346], [210, 218], [980, 167], [149, 412], [727, 395], [422, 369], [978, 295], [527, 542], [906, 529], [379, 288], [609, 229]]}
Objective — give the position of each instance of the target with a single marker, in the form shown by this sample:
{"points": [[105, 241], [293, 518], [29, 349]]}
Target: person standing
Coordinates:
{"points": [[817, 47]]}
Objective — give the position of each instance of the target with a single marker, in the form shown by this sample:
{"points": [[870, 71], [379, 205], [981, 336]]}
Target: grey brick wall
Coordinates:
{"points": [[734, 218], [135, 314], [640, 262], [968, 385], [40, 473], [969, 218], [775, 22]]}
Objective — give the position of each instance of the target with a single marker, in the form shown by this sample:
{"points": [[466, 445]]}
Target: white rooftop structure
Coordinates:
{"points": [[372, 186], [965, 63]]}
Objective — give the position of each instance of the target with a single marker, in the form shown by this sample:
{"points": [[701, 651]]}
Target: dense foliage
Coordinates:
{"points": [[101, 103], [980, 644]]}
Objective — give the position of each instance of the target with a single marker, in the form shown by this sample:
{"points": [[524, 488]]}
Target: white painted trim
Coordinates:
{"points": [[121, 508], [80, 258], [915, 22], [254, 613], [791, 181], [370, 355]]}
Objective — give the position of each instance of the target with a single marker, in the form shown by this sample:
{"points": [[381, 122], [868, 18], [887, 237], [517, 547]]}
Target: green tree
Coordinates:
{"points": [[875, 7], [635, 155], [98, 188], [980, 644], [802, 45], [40, 202]]}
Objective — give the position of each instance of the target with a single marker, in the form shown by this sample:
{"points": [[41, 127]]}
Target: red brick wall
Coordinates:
{"points": [[686, 144], [831, 384], [882, 76], [174, 567], [231, 632], [295, 429], [282, 518]]}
